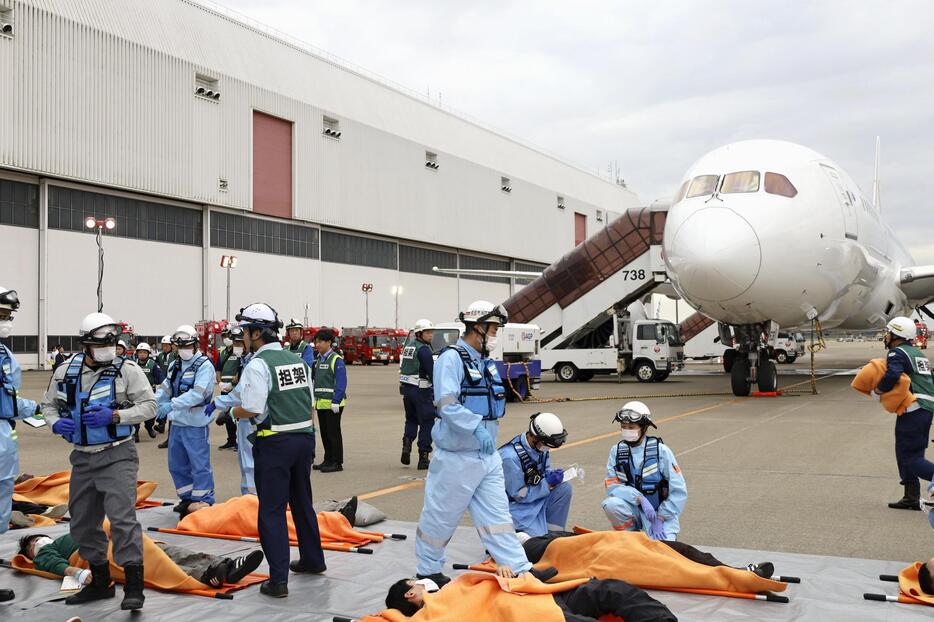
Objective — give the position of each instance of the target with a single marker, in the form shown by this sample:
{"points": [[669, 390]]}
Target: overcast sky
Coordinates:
{"points": [[651, 86]]}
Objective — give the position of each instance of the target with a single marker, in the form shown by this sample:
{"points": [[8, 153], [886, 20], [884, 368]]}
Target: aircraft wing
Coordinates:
{"points": [[918, 283]]}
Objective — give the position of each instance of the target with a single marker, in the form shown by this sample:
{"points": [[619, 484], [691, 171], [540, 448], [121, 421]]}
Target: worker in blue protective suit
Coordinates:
{"points": [[913, 427], [12, 407], [226, 401], [187, 389], [645, 489], [294, 330], [466, 472], [416, 367], [539, 498]]}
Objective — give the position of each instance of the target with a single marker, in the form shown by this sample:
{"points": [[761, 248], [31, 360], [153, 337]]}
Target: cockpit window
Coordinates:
{"points": [[779, 184], [703, 185], [682, 191], [743, 181]]}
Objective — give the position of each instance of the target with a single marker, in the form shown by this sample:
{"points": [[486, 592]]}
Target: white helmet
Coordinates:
{"points": [[143, 346], [122, 344], [482, 311], [902, 327], [293, 323], [166, 340], [635, 412], [8, 299], [547, 428], [259, 315], [421, 325], [185, 335], [99, 328]]}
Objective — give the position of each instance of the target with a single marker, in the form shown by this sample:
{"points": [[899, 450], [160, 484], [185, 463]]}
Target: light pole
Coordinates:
{"points": [[110, 224], [229, 262], [366, 288], [396, 292]]}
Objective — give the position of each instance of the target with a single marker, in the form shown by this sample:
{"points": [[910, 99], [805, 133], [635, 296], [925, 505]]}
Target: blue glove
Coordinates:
{"points": [[209, 409], [646, 506], [657, 530], [164, 409], [554, 477], [487, 446], [97, 416], [64, 427]]}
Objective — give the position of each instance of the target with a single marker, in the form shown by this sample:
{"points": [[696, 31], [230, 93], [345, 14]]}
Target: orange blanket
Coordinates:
{"points": [[53, 490], [908, 584], [500, 600], [238, 516], [160, 572], [895, 401]]}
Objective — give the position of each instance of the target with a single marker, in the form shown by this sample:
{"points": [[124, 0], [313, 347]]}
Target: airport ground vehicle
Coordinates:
{"points": [[921, 341], [369, 345], [788, 347]]}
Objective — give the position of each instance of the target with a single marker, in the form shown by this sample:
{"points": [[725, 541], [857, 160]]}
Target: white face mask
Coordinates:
{"points": [[38, 543], [238, 351], [429, 585], [105, 354], [490, 344], [186, 353], [631, 435], [228, 342], [6, 327]]}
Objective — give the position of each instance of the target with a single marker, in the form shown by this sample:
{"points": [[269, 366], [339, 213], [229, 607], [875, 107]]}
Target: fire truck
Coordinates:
{"points": [[399, 336], [921, 341], [371, 345], [128, 336], [210, 340]]}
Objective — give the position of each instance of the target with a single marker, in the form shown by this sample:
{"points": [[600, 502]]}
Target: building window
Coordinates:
{"points": [[580, 228], [505, 185], [206, 87], [20, 344], [358, 250], [259, 235], [472, 262], [136, 219], [524, 266], [332, 127], [422, 260], [431, 161], [19, 204], [272, 165]]}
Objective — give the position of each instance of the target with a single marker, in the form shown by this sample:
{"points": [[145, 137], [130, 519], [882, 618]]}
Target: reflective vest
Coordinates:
{"points": [[410, 369], [182, 381], [532, 472], [482, 390], [7, 390], [299, 347], [649, 481], [325, 381], [230, 366], [147, 368], [164, 361], [77, 400], [289, 402], [922, 383]]}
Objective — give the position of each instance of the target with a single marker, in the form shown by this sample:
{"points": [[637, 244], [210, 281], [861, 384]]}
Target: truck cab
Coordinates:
{"points": [[788, 347]]}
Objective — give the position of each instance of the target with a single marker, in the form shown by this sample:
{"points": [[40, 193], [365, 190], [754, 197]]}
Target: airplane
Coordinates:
{"points": [[768, 233]]}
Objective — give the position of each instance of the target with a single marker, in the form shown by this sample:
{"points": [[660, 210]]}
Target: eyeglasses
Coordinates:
{"points": [[629, 416]]}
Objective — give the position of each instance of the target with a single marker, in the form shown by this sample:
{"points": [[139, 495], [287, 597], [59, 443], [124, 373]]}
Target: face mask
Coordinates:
{"points": [[429, 585], [228, 342], [40, 542], [490, 344], [6, 327], [105, 354], [186, 353], [238, 351], [631, 436]]}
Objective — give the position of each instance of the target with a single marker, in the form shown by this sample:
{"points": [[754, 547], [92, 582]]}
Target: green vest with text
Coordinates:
{"points": [[325, 381], [230, 365], [922, 383], [163, 360], [299, 347], [147, 368], [289, 401]]}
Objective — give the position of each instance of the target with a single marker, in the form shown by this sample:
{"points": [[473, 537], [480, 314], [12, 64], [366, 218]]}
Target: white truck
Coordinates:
{"points": [[788, 347]]}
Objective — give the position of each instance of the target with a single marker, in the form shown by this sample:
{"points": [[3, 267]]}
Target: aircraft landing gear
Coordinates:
{"points": [[766, 374], [748, 362], [739, 376]]}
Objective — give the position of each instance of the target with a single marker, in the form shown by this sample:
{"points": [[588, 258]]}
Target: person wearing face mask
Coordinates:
{"points": [[330, 378], [228, 365], [93, 401], [913, 427], [181, 399], [294, 330], [539, 498], [11, 407], [155, 377], [645, 489], [466, 472]]}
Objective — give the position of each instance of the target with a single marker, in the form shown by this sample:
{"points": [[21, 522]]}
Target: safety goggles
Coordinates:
{"points": [[106, 334], [631, 416], [183, 338], [498, 314], [10, 300]]}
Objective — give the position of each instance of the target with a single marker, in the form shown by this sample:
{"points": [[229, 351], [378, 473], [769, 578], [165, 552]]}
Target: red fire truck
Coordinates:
{"points": [[398, 341], [921, 341], [128, 336], [210, 340], [370, 345]]}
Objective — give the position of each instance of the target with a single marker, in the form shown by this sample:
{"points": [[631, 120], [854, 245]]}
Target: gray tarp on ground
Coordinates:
{"points": [[356, 584]]}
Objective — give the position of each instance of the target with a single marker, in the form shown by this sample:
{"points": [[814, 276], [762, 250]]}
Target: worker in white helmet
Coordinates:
{"points": [[913, 427], [93, 401], [539, 498], [645, 489], [12, 407], [181, 397], [121, 348], [416, 368]]}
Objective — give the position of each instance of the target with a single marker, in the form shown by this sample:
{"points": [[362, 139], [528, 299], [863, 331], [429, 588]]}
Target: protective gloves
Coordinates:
{"points": [[487, 446], [657, 529], [647, 508], [209, 409], [164, 409], [97, 416], [335, 408], [554, 477], [64, 427]]}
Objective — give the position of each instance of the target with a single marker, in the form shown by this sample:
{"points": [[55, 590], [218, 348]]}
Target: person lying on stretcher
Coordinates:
{"points": [[52, 556], [926, 577]]}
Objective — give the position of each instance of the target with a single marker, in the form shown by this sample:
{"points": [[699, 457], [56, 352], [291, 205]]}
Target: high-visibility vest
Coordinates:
{"points": [[289, 401]]}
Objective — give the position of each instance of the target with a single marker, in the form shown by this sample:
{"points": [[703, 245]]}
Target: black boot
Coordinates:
{"points": [[99, 588], [6, 595], [349, 511], [133, 589], [422, 460], [912, 498], [149, 428], [545, 574], [406, 458]]}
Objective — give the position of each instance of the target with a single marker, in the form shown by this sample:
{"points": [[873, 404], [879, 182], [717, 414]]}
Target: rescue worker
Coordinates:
{"points": [[163, 360], [155, 377], [11, 407], [466, 472], [276, 391], [60, 356], [297, 345], [228, 366], [913, 427], [181, 399], [415, 372], [226, 401], [644, 485], [121, 348], [539, 498], [93, 401], [330, 380]]}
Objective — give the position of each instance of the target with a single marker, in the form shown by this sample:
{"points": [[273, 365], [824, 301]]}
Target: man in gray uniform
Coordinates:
{"points": [[93, 401]]}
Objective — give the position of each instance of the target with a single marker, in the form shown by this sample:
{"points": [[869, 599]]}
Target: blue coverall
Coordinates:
{"points": [[11, 378], [536, 509]]}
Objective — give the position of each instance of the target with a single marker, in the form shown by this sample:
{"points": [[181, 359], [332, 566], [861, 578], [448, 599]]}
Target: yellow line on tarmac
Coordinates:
{"points": [[386, 491]]}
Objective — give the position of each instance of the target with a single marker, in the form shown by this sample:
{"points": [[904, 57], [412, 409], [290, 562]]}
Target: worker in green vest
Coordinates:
{"points": [[154, 375], [228, 367], [416, 368], [330, 378], [297, 345], [913, 427], [276, 392]]}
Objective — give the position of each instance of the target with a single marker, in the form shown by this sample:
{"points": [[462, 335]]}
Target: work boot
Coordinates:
{"points": [[228, 445], [276, 590], [406, 458], [99, 588], [182, 506], [135, 437], [912, 498], [440, 579], [422, 460], [193, 507], [133, 589], [349, 511], [763, 569], [298, 567], [159, 426], [545, 574], [6, 595], [331, 468], [164, 444], [150, 430]]}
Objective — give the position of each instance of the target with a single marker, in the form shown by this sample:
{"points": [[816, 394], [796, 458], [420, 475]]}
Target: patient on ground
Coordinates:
{"points": [[926, 577]]}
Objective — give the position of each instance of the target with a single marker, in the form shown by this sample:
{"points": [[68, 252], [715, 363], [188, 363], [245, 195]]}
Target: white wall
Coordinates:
{"points": [[19, 258]]}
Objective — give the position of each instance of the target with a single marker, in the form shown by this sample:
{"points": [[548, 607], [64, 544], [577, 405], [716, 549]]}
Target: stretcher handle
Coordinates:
{"points": [[6, 563], [775, 598], [879, 597], [365, 551], [461, 567], [785, 579], [343, 619], [223, 596], [889, 577]]}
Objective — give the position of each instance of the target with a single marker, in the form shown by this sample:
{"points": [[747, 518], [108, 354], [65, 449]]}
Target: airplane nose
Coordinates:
{"points": [[715, 255]]}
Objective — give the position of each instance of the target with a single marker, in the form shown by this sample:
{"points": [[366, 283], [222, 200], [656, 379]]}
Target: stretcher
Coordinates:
{"points": [[909, 592], [53, 490]]}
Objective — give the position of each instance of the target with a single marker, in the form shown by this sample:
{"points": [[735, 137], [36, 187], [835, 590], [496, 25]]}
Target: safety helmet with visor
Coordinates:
{"points": [[143, 347], [483, 311], [99, 329], [9, 302], [635, 412], [548, 429], [185, 335]]}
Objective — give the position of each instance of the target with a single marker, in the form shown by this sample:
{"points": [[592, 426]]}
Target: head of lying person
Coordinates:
{"points": [[408, 595], [925, 578], [29, 545]]}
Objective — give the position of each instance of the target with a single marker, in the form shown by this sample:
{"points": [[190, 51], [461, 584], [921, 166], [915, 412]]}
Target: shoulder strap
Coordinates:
{"points": [[623, 462], [466, 360]]}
